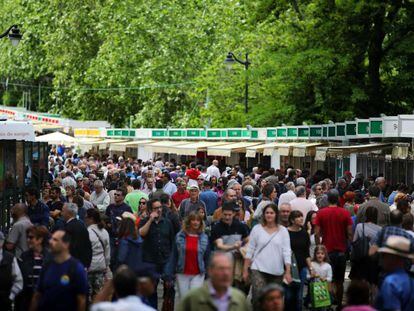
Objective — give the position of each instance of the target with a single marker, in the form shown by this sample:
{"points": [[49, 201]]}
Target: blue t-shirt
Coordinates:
{"points": [[60, 284], [396, 292], [210, 199]]}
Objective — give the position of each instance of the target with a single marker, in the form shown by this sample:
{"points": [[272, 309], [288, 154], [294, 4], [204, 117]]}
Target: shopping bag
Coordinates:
{"points": [[320, 294]]}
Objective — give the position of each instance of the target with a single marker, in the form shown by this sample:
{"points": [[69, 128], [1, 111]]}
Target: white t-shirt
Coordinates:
{"points": [[286, 197], [323, 270], [303, 205], [273, 257], [130, 303]]}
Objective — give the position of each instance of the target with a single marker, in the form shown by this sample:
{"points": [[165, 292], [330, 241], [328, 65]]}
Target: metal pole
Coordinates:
{"points": [[246, 95]]}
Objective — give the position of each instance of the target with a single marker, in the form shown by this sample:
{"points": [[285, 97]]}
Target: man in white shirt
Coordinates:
{"points": [[301, 203], [289, 195], [213, 169], [100, 198], [125, 286]]}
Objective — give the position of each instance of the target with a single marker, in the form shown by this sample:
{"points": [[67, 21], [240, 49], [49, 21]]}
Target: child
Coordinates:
{"points": [[321, 269]]}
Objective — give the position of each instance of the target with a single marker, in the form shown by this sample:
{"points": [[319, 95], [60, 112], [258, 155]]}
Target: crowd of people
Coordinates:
{"points": [[103, 232]]}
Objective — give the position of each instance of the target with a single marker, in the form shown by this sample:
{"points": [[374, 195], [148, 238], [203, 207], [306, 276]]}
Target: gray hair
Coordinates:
{"points": [[301, 181], [215, 254], [98, 183], [290, 186], [379, 179], [68, 182], [300, 191], [72, 208]]}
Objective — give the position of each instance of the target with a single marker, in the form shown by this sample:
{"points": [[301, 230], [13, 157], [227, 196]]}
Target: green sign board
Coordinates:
{"points": [[254, 134], [331, 131], [159, 133], [363, 128], [292, 132], [175, 133], [271, 133], [315, 132], [216, 133], [350, 129], [282, 132], [325, 131], [340, 130], [376, 127], [193, 133], [303, 132], [234, 133]]}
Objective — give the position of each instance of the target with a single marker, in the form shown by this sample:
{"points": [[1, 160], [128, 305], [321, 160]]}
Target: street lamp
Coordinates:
{"points": [[13, 33], [230, 60]]}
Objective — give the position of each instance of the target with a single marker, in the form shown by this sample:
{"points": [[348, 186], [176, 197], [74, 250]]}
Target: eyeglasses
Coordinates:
{"points": [[142, 202], [200, 178]]}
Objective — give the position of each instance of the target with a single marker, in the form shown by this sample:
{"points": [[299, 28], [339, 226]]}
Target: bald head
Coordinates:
{"points": [[18, 210]]}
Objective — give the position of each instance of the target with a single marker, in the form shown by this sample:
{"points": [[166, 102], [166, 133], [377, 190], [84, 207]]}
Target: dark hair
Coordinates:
{"points": [[374, 191], [67, 237], [159, 184], [136, 184], [358, 293], [359, 197], [333, 197], [293, 215], [192, 165], [371, 214], [264, 291], [403, 206], [309, 220], [78, 200], [207, 183], [33, 191], [151, 202], [39, 232], [166, 174], [408, 222], [274, 208], [268, 190], [228, 206], [125, 282], [56, 189], [123, 190], [127, 229], [164, 198], [94, 214], [396, 218]]}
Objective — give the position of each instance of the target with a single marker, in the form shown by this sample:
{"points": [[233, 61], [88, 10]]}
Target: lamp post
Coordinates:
{"points": [[13, 33], [230, 60]]}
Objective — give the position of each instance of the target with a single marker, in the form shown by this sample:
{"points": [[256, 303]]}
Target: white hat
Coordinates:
{"points": [[397, 245]]}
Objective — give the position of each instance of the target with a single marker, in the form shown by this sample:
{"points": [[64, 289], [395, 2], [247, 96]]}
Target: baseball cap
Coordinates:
{"points": [[194, 187], [348, 173]]}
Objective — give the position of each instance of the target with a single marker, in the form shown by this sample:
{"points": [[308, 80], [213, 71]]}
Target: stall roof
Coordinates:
{"points": [[321, 152], [40, 127], [227, 149], [193, 148], [305, 149], [129, 144], [165, 146], [266, 149], [56, 138]]}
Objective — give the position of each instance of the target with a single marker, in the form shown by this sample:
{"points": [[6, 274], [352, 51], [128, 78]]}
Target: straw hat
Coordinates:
{"points": [[397, 245]]}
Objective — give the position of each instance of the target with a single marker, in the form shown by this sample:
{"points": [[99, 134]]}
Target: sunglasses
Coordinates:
{"points": [[142, 202], [200, 178]]}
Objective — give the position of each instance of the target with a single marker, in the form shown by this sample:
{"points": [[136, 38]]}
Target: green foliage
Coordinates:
{"points": [[161, 62]]}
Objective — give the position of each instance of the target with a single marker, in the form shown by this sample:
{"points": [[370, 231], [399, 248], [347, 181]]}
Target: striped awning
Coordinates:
{"points": [[227, 149], [192, 148]]}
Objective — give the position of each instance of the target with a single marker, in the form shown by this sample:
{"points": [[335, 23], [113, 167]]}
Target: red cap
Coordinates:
{"points": [[348, 173]]}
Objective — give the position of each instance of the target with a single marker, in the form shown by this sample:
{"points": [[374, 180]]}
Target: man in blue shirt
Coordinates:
{"points": [[397, 288], [37, 211], [62, 284], [209, 197]]}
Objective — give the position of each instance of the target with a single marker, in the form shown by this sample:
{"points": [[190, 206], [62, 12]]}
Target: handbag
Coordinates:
{"points": [[360, 247], [320, 295], [294, 270]]}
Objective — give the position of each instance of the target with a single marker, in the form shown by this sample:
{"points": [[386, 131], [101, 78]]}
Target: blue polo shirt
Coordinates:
{"points": [[396, 292], [60, 284], [210, 199]]}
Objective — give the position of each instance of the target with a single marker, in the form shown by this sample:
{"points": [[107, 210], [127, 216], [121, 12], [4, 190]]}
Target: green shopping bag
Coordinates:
{"points": [[320, 294]]}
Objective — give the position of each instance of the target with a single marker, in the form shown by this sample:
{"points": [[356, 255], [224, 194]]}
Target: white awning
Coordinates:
{"points": [[103, 144], [266, 149], [321, 152], [165, 146], [56, 138], [226, 150], [306, 149], [192, 148], [40, 127], [129, 144]]}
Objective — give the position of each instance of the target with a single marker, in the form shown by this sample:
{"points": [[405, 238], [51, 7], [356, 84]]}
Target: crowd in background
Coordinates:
{"points": [[102, 232]]}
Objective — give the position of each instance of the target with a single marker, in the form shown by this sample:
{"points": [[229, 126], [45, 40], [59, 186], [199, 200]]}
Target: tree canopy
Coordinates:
{"points": [[160, 63]]}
